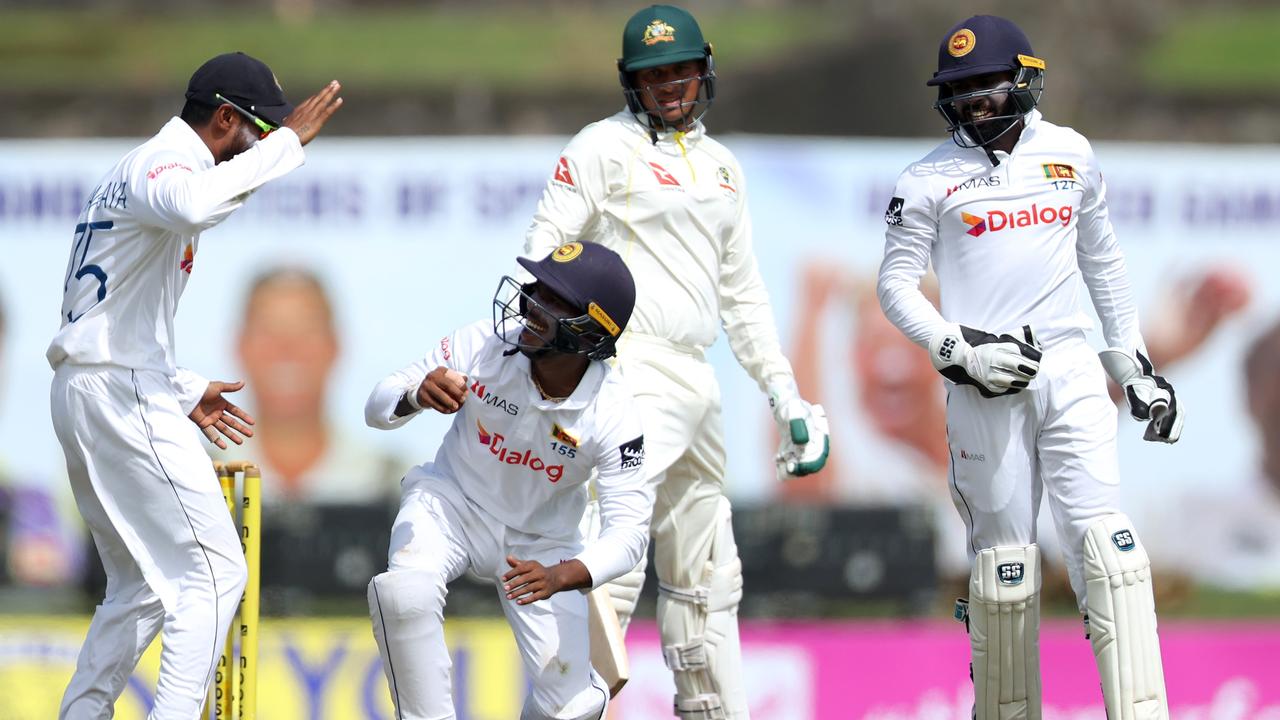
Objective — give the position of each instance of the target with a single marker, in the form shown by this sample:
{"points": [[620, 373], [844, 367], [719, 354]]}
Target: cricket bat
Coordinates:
{"points": [[608, 651]]}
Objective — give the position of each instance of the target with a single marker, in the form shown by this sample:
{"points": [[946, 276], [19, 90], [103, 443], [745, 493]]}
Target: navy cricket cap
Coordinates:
{"points": [[983, 44], [588, 274], [245, 81]]}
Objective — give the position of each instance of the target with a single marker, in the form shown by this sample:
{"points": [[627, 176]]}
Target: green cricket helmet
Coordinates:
{"points": [[664, 35]]}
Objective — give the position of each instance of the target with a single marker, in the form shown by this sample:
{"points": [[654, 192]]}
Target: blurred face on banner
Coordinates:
{"points": [[897, 384], [1262, 378], [288, 346]]}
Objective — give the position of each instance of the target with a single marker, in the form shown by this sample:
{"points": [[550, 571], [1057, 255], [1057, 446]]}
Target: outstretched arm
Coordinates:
{"points": [[169, 194]]}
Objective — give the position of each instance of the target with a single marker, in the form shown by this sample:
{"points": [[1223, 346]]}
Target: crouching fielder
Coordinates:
{"points": [[1013, 214], [536, 410]]}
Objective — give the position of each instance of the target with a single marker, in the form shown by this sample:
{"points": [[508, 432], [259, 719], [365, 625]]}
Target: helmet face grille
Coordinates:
{"points": [[1023, 96], [513, 304], [693, 111]]}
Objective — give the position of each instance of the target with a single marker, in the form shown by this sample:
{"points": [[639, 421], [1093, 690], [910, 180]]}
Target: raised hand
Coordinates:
{"points": [[442, 390], [311, 115]]}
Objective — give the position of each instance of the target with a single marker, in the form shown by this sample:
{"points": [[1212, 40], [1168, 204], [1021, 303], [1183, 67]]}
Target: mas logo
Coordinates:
{"points": [[512, 457], [975, 182], [961, 43], [493, 400], [658, 31]]}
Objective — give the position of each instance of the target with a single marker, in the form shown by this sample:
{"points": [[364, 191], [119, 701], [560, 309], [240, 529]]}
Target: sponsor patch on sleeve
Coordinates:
{"points": [[893, 215], [632, 452], [155, 172], [563, 175]]}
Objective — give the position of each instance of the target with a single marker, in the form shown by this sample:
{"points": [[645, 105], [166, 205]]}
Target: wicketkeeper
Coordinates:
{"points": [[1013, 215]]}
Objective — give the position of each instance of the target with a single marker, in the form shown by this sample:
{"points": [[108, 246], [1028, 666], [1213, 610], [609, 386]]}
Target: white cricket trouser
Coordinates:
{"points": [[437, 536], [678, 398], [149, 495], [1057, 436]]}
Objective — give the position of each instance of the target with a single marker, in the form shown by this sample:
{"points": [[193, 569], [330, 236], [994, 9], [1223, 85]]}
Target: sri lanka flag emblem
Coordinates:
{"points": [[188, 259], [563, 435]]}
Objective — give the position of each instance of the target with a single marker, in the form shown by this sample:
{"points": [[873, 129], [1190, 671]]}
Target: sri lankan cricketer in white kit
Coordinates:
{"points": [[1013, 216], [128, 418], [537, 412]]}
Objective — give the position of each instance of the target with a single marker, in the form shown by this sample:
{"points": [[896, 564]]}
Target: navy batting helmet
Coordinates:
{"points": [[592, 279], [981, 45]]}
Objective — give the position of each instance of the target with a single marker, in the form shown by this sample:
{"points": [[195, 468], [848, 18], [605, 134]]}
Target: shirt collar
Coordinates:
{"points": [[667, 137], [1029, 123], [179, 132], [578, 399]]}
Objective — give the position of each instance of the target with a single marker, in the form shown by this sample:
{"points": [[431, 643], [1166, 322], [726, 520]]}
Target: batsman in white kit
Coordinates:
{"points": [[537, 412], [1013, 215], [651, 184], [128, 418]]}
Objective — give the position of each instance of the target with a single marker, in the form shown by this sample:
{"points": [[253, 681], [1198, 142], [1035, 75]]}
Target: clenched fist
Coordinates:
{"points": [[442, 390]]}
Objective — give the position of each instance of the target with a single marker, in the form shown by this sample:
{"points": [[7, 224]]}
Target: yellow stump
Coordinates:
{"points": [[224, 678], [251, 539], [230, 685]]}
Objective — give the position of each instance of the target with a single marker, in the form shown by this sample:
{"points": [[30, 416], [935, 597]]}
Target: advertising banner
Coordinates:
{"points": [[406, 239], [329, 670]]}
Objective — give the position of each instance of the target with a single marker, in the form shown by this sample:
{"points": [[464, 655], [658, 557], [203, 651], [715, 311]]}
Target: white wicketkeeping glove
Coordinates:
{"points": [[996, 366], [1150, 396], [806, 441]]}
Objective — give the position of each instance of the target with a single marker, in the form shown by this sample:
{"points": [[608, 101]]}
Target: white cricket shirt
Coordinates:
{"points": [[1009, 244], [676, 211], [135, 246], [526, 460]]}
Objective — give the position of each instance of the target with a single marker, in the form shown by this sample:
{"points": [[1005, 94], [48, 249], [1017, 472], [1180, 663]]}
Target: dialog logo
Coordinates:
{"points": [[526, 458], [977, 225], [1000, 220]]}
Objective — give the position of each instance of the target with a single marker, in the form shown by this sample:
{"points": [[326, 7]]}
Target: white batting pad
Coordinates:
{"points": [[1122, 621], [700, 632], [1004, 633]]}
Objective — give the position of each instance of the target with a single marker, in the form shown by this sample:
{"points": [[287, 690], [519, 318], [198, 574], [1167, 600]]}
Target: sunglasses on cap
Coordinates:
{"points": [[265, 128]]}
